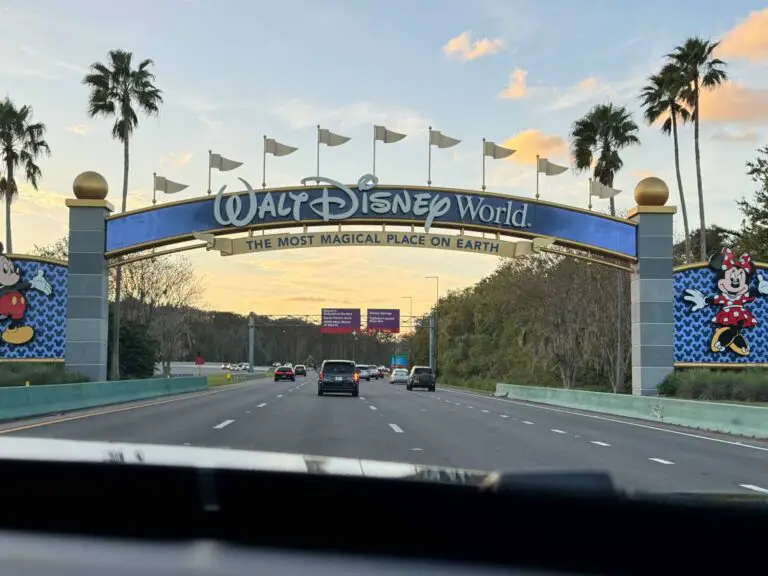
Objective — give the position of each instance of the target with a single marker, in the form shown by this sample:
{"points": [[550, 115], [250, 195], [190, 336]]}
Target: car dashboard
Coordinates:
{"points": [[132, 518]]}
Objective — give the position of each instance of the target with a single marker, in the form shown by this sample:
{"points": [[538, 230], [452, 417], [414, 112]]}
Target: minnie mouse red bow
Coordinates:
{"points": [[730, 261]]}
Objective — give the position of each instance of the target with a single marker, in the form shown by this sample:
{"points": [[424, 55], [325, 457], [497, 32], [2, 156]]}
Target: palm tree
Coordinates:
{"points": [[597, 138], [117, 91], [21, 143], [697, 69], [661, 98]]}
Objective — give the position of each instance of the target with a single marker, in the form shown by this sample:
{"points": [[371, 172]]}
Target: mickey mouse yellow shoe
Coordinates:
{"points": [[19, 335]]}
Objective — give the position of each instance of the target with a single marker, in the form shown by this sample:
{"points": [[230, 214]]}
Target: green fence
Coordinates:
{"points": [[714, 416], [25, 401]]}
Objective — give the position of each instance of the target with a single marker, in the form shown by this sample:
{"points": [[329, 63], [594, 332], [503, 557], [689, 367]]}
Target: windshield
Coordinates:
{"points": [[548, 223]]}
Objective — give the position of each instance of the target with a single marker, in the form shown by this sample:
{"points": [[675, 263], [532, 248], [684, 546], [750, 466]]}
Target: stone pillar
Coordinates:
{"points": [[88, 293], [653, 353]]}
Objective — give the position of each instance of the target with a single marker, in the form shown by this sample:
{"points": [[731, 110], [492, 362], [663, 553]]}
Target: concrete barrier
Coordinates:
{"points": [[722, 417], [25, 401]]}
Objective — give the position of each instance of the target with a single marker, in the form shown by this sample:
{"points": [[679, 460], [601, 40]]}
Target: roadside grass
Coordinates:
{"points": [[215, 380]]}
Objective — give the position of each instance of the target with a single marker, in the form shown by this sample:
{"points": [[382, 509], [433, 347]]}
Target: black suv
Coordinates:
{"points": [[422, 377], [338, 376], [300, 370]]}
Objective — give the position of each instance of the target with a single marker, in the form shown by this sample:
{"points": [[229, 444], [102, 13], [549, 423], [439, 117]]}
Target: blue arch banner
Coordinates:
{"points": [[717, 321], [367, 203], [33, 308]]}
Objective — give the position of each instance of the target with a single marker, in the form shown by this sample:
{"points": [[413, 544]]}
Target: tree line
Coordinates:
{"points": [[550, 320]]}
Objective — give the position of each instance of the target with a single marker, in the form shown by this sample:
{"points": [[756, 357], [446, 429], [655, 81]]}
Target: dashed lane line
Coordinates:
{"points": [[396, 428], [660, 461], [373, 407], [261, 405], [755, 488], [557, 431], [526, 421], [598, 443], [223, 424]]}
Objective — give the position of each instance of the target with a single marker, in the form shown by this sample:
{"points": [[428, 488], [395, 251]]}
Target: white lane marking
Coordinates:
{"points": [[503, 416], [396, 428], [660, 461], [526, 422], [598, 443], [373, 407], [361, 398], [556, 431], [223, 424], [471, 407], [486, 411], [617, 421], [417, 449], [457, 403], [279, 395], [755, 488], [261, 405], [247, 411]]}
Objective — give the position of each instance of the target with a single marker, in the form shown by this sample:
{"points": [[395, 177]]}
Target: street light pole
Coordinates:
{"points": [[433, 323], [410, 317]]}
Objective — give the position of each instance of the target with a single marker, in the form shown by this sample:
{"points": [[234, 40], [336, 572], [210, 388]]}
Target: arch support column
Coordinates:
{"points": [[653, 354], [88, 279]]}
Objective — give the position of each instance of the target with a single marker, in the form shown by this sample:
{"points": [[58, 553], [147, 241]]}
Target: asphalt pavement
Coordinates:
{"points": [[447, 428]]}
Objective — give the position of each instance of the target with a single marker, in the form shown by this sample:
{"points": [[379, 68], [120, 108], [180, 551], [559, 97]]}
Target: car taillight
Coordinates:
{"points": [[321, 375], [356, 377]]}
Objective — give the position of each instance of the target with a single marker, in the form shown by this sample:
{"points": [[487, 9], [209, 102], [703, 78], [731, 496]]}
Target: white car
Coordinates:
{"points": [[363, 371], [399, 376]]}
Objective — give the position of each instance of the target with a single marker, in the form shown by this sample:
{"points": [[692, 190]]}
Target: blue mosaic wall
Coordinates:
{"points": [[694, 330], [45, 314]]}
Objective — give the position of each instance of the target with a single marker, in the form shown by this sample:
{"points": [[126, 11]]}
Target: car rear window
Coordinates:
{"points": [[422, 370], [338, 367], [283, 368]]}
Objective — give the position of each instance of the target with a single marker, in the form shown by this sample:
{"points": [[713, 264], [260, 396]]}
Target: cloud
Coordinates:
{"points": [[748, 135], [463, 48], [516, 87], [300, 114], [734, 102], [176, 159], [748, 40], [592, 90], [79, 129], [529, 143]]}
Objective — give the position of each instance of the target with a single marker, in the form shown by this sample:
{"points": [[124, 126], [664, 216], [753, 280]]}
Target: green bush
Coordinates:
{"points": [[748, 385], [37, 373], [138, 351]]}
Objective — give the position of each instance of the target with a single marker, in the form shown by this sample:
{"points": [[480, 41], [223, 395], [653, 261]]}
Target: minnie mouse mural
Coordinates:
{"points": [[733, 282]]}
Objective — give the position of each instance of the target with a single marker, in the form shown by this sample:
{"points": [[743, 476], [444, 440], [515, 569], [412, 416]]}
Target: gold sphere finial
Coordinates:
{"points": [[651, 191], [90, 186]]}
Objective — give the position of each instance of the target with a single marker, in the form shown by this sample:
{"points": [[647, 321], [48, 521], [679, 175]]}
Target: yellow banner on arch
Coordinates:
{"points": [[471, 244]]}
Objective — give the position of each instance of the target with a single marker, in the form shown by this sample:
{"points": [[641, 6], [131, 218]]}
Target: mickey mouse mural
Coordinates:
{"points": [[734, 276], [13, 300]]}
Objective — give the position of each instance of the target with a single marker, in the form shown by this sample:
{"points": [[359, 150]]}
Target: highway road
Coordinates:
{"points": [[447, 427]]}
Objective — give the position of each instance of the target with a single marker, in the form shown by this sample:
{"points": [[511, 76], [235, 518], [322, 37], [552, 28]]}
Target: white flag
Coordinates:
{"points": [[437, 138], [272, 146], [495, 151], [218, 162], [548, 168], [162, 184], [325, 136], [387, 136], [601, 190]]}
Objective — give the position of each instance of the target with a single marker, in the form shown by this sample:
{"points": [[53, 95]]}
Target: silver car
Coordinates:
{"points": [[363, 371], [399, 376]]}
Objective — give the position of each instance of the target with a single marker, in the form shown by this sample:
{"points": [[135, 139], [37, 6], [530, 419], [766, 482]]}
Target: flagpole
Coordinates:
{"points": [[209, 171], [318, 154], [154, 188], [537, 176], [589, 197], [264, 163], [429, 158], [374, 151], [483, 187]]}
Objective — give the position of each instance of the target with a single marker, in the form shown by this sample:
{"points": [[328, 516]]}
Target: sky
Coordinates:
{"points": [[517, 72]]}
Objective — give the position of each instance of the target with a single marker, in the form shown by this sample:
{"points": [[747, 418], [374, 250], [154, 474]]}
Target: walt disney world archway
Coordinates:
{"points": [[414, 216]]}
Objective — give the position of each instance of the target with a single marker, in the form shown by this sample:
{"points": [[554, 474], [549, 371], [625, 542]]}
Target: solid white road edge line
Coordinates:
{"points": [[617, 421]]}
